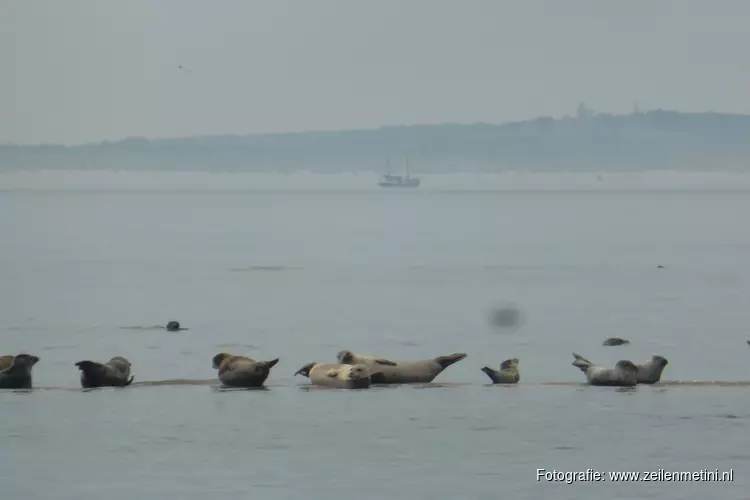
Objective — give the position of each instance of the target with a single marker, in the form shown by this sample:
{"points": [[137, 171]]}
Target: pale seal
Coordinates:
{"points": [[624, 373], [15, 371], [648, 372], [507, 374], [615, 341], [344, 376], [241, 371], [401, 371], [113, 373]]}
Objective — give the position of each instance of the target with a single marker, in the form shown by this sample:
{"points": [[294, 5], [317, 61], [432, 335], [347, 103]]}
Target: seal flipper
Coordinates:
{"points": [[305, 370], [377, 378], [129, 382], [332, 373], [386, 362], [446, 361]]}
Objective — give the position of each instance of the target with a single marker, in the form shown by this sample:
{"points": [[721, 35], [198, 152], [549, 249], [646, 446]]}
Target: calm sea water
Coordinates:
{"points": [[302, 273]]}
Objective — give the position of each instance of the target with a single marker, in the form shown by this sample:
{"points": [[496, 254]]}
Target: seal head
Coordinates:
{"points": [[650, 371]]}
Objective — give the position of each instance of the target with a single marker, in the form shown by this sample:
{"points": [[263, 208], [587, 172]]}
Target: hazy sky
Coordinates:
{"points": [[76, 71]]}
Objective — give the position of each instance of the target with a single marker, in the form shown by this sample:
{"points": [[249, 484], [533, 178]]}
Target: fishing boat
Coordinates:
{"points": [[389, 180]]}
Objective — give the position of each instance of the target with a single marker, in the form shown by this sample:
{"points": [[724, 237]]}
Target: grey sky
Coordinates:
{"points": [[77, 71]]}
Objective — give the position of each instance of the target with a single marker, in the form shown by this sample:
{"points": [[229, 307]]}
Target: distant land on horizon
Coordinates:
{"points": [[640, 141]]}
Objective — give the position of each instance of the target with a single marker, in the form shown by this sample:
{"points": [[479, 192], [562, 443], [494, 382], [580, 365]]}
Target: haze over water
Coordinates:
{"points": [[303, 267]]}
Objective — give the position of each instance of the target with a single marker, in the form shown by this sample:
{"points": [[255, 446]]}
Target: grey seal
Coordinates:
{"points": [[113, 373], [648, 372], [401, 371], [343, 376], [613, 341], [507, 374], [624, 373], [15, 371], [241, 371]]}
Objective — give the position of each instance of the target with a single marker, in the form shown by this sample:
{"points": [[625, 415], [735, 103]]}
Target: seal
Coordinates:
{"points": [[507, 374], [241, 371], [113, 373], [343, 376], [17, 373], [612, 341], [648, 372], [401, 372], [174, 326], [624, 373]]}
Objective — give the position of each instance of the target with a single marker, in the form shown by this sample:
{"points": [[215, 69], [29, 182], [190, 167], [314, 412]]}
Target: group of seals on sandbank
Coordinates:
{"points": [[352, 371]]}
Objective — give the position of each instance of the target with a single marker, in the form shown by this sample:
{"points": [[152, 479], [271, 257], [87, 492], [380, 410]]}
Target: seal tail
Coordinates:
{"points": [[446, 361], [581, 362], [489, 372], [305, 370], [272, 363]]}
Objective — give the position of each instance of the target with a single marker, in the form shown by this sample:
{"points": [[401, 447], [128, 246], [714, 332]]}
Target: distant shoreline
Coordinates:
{"points": [[652, 141]]}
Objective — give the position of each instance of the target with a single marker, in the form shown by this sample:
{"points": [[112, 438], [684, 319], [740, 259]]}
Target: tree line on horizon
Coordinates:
{"points": [[639, 141]]}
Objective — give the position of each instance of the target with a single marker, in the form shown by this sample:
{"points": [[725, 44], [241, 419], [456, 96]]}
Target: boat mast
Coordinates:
{"points": [[407, 166]]}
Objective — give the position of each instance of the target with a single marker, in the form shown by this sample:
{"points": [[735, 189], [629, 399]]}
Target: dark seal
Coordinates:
{"points": [[613, 341], [15, 371], [113, 373]]}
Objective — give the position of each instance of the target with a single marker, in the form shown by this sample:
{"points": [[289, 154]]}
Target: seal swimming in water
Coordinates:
{"points": [[241, 371], [508, 373], [174, 326], [399, 371], [648, 372], [15, 371], [624, 373], [612, 341], [113, 373], [343, 376]]}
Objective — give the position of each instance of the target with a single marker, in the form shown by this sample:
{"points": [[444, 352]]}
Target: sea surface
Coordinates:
{"points": [[302, 267]]}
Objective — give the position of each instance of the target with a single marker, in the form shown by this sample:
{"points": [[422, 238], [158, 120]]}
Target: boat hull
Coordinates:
{"points": [[390, 185]]}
